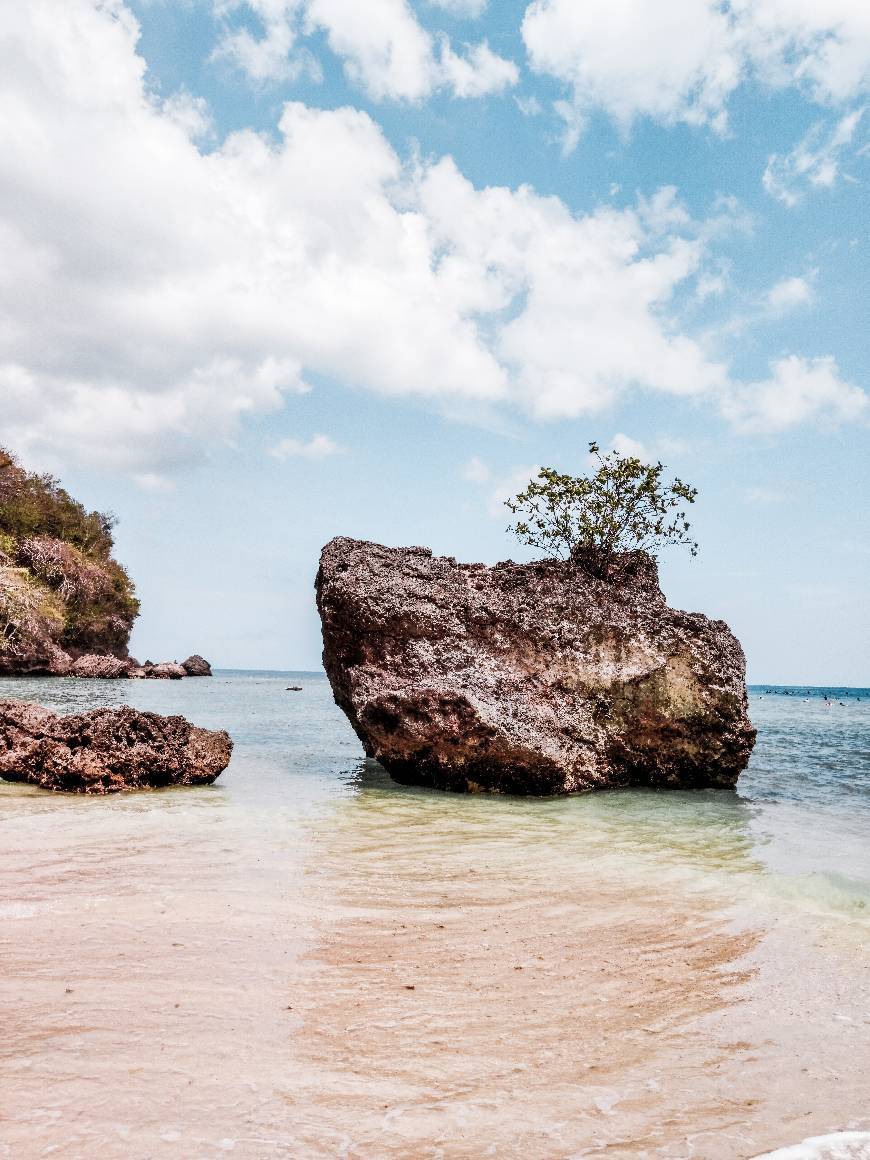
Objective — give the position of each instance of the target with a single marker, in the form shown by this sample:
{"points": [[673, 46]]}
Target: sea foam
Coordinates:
{"points": [[839, 1146]]}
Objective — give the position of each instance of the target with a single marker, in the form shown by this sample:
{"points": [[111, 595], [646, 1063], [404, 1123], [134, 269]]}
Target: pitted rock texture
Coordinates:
{"points": [[528, 678], [107, 750]]}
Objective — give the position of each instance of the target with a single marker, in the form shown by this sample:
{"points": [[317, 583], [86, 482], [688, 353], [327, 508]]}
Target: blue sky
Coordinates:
{"points": [[287, 269]]}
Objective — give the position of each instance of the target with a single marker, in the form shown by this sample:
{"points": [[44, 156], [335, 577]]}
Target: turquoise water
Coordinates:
{"points": [[306, 959], [801, 812]]}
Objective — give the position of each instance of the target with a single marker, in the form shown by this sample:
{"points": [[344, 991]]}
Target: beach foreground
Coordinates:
{"points": [[306, 959]]}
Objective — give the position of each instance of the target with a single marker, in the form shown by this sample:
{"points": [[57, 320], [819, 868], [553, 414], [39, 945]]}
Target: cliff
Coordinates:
{"points": [[62, 595], [528, 678]]}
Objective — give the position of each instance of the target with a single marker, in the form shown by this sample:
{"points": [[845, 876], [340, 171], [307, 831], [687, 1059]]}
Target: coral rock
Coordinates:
{"points": [[529, 678], [167, 671], [196, 666], [106, 750], [101, 668]]}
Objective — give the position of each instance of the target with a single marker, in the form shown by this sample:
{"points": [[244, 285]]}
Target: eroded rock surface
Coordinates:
{"points": [[106, 750], [166, 671], [528, 678], [101, 668]]}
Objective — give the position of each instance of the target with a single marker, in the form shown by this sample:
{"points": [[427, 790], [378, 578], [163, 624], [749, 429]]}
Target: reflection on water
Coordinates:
{"points": [[308, 960]]}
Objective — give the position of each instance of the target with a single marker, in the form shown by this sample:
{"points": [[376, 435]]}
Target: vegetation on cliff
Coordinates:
{"points": [[61, 593]]}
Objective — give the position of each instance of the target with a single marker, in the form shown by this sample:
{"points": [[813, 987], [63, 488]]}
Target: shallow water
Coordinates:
{"points": [[308, 960]]}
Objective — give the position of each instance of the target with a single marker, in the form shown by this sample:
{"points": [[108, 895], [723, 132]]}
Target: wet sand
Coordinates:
{"points": [[396, 977], [306, 960]]}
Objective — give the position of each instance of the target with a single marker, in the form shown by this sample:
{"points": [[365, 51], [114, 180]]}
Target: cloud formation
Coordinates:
{"points": [[814, 163], [385, 50], [789, 294], [153, 295], [798, 390], [681, 61], [317, 447]]}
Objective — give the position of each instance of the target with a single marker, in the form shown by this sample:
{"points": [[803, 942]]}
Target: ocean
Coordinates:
{"points": [[307, 960]]}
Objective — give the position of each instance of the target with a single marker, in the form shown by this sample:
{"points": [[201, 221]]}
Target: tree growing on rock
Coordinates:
{"points": [[597, 521]]}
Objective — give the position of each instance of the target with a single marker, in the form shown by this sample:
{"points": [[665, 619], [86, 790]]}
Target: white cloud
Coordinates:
{"points": [[625, 445], [789, 294], [675, 61], [385, 49], [798, 390], [813, 163], [318, 447], [529, 106], [476, 471], [272, 55], [682, 60], [711, 285], [506, 488], [662, 447], [191, 114], [592, 292], [478, 73], [467, 9], [153, 296]]}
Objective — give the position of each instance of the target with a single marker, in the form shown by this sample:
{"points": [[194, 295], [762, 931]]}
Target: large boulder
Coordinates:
{"points": [[196, 666], [528, 678], [106, 750]]}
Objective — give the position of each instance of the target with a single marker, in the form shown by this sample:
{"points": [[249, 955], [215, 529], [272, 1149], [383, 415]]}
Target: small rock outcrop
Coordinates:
{"points": [[167, 671], [101, 668], [107, 750], [196, 666], [529, 678]]}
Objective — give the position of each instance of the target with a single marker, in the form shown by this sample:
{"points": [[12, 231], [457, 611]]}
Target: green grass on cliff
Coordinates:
{"points": [[58, 581]]}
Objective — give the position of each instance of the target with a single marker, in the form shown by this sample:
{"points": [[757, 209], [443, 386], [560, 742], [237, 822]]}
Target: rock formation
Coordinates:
{"points": [[100, 668], [196, 666], [167, 671], [62, 595], [529, 678], [107, 750]]}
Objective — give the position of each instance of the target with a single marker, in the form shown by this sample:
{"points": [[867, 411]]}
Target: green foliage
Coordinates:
{"points": [[65, 584], [594, 520], [37, 505]]}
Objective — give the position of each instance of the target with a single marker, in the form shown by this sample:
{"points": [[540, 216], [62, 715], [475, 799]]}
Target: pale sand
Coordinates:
{"points": [[179, 983]]}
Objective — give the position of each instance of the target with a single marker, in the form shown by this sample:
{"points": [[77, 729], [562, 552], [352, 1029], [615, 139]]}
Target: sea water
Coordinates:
{"points": [[306, 959]]}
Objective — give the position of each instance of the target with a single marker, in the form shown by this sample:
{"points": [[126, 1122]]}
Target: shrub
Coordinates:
{"points": [[597, 520], [29, 616], [37, 505], [66, 584]]}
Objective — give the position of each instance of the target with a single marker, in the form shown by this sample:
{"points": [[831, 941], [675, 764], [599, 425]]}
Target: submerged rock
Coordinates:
{"points": [[106, 750], [529, 678], [196, 666]]}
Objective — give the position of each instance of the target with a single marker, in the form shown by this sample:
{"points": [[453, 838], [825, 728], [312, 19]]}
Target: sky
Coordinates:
{"points": [[278, 270]]}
